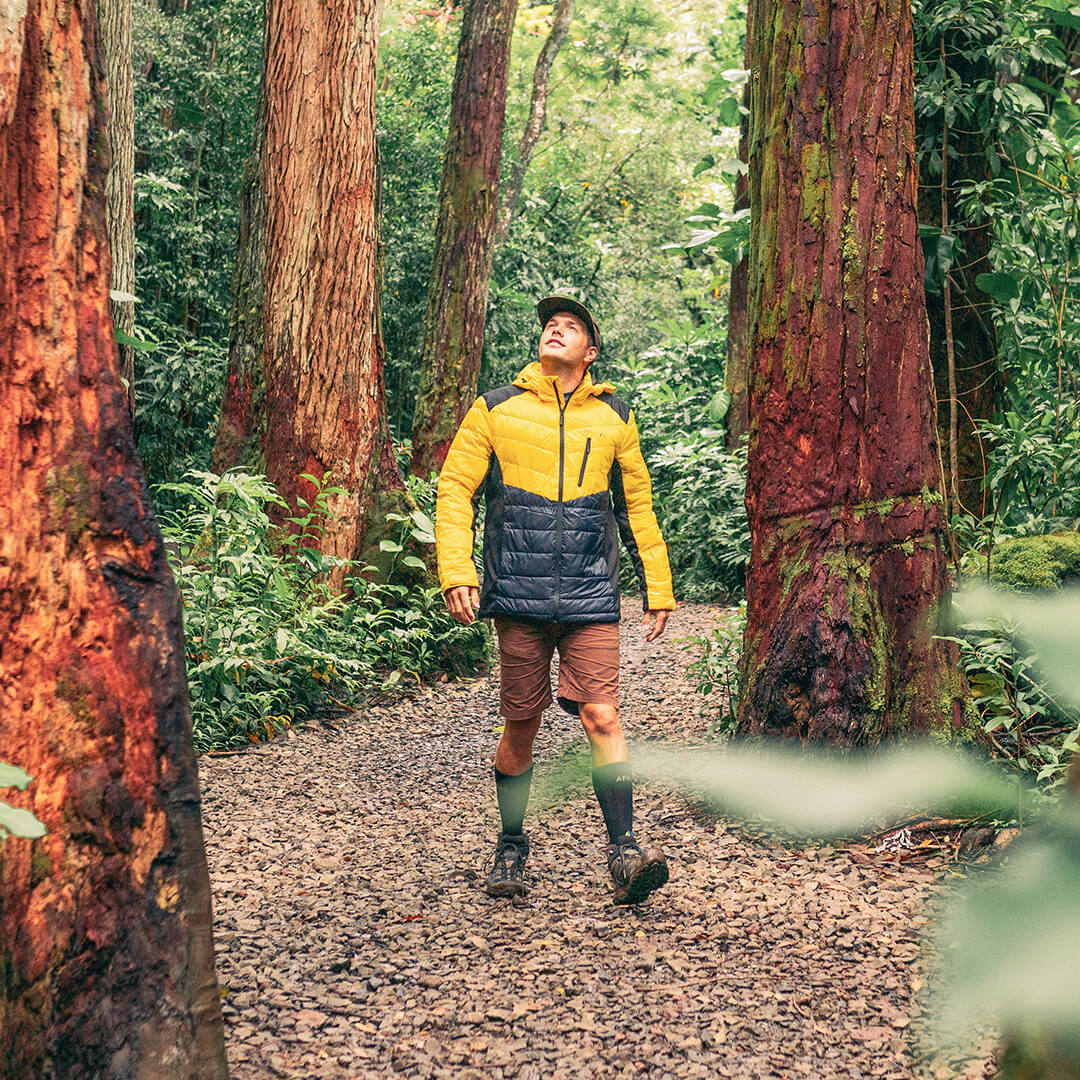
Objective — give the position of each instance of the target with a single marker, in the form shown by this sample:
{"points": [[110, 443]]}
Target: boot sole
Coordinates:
{"points": [[505, 890], [649, 877]]}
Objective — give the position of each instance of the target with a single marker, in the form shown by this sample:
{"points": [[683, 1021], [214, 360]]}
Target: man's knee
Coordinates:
{"points": [[600, 720], [521, 731]]}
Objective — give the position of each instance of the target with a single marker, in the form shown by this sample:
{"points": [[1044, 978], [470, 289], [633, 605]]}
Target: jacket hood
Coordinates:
{"points": [[532, 378]]}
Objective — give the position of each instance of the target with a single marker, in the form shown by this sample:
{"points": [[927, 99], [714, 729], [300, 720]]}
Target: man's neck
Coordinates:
{"points": [[568, 380]]}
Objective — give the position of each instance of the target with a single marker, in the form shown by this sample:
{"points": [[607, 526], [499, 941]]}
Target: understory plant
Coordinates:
{"points": [[717, 672], [1026, 720], [268, 642]]}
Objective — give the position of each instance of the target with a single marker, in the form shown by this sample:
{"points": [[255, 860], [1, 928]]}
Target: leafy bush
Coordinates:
{"points": [[178, 390], [267, 641], [1024, 718], [1035, 466], [717, 670]]}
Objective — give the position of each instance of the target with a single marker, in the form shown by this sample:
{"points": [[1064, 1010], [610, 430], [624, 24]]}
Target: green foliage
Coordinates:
{"points": [[698, 486], [416, 67], [1018, 654], [1022, 719], [1037, 562], [197, 72], [14, 822], [177, 397], [1034, 474], [268, 641], [593, 215], [717, 670]]}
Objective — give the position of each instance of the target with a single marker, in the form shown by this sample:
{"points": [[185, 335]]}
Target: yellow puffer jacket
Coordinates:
{"points": [[562, 478]]}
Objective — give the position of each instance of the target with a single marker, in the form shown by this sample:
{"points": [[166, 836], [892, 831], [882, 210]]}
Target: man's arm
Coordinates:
{"points": [[462, 474], [632, 496]]}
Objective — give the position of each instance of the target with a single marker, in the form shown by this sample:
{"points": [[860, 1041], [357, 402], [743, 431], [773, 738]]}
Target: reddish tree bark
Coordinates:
{"points": [[309, 272], [534, 126], [847, 579], [105, 941], [464, 233]]}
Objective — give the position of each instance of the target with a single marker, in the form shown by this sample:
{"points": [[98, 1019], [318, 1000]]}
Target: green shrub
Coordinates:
{"points": [[718, 672], [267, 641], [1036, 562], [1025, 720]]}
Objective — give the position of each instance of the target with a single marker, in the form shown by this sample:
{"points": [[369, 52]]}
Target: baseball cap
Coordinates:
{"points": [[552, 305]]}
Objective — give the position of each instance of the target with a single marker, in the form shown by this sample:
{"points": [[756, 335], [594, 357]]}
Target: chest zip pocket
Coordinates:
{"points": [[581, 475]]}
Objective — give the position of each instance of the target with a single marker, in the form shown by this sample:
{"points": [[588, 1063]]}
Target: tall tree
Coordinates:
{"points": [[310, 266], [534, 125], [464, 232], [847, 579], [105, 940]]}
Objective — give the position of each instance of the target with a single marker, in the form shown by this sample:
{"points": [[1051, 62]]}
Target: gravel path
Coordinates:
{"points": [[354, 938]]}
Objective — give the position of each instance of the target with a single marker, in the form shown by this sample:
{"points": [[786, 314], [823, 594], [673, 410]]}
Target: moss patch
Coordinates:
{"points": [[1036, 562]]}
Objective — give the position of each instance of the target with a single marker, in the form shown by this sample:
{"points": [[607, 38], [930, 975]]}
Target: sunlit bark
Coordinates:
{"points": [[105, 942]]}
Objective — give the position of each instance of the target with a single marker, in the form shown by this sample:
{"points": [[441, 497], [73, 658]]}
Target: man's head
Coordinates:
{"points": [[569, 336]]}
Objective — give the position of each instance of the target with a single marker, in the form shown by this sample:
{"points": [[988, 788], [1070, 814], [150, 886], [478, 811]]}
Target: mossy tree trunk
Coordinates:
{"points": [[465, 233], [308, 296], [847, 579], [105, 933]]}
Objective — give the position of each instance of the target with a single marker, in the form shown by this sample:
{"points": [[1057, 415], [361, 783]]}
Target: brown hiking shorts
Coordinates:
{"points": [[588, 665]]}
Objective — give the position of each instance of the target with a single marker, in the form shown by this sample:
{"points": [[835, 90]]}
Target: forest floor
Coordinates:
{"points": [[354, 937]]}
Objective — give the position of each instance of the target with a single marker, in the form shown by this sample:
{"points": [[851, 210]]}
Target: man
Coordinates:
{"points": [[556, 458]]}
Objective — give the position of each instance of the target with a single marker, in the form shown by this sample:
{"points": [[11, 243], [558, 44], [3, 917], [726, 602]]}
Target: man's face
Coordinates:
{"points": [[565, 343]]}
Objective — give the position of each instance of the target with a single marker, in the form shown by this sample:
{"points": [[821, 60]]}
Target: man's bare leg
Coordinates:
{"points": [[601, 723], [514, 753]]}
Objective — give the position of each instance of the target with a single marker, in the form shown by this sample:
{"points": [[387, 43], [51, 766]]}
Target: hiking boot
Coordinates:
{"points": [[636, 873], [508, 868]]}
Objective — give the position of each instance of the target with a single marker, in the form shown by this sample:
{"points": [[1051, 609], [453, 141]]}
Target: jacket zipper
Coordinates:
{"points": [[563, 402], [581, 475]]}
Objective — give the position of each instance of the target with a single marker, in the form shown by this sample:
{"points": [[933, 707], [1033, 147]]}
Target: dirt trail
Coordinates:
{"points": [[354, 938]]}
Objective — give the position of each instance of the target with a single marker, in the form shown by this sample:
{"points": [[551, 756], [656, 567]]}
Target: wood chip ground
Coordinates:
{"points": [[354, 938]]}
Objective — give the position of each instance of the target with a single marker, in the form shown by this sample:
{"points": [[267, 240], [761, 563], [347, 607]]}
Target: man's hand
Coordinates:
{"points": [[655, 621], [462, 602]]}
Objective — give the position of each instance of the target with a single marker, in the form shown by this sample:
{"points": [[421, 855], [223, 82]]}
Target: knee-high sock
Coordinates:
{"points": [[513, 796], [614, 787]]}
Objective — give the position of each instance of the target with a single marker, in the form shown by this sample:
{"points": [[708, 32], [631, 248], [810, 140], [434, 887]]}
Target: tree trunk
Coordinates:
{"points": [[115, 24], [737, 362], [847, 579], [325, 407], [534, 126], [105, 940], [464, 233]]}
